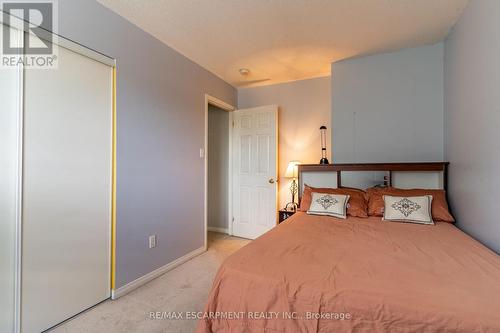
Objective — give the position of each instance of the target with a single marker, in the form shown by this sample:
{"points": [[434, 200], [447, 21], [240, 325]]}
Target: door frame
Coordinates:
{"points": [[229, 108]]}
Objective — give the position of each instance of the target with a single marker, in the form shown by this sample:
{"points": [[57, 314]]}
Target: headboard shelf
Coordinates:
{"points": [[422, 166], [390, 168]]}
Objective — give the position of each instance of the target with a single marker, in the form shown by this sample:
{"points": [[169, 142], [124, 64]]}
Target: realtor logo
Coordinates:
{"points": [[35, 48]]}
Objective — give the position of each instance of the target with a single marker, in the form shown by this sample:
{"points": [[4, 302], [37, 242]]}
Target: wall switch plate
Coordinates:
{"points": [[202, 153], [152, 241]]}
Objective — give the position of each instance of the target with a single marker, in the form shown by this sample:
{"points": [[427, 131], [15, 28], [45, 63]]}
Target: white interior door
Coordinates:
{"points": [[66, 190], [255, 170]]}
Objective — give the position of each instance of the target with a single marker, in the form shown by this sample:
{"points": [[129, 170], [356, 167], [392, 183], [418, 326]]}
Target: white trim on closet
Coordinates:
{"points": [[61, 41]]}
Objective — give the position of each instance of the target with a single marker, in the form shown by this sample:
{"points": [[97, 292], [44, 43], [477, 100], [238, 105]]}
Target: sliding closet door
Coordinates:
{"points": [[10, 113], [67, 190]]}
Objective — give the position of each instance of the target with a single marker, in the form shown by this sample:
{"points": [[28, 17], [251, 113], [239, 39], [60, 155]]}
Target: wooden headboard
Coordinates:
{"points": [[391, 169]]}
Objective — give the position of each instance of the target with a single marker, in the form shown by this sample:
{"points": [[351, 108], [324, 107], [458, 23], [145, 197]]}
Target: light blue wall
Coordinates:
{"points": [[472, 120], [389, 107], [160, 106]]}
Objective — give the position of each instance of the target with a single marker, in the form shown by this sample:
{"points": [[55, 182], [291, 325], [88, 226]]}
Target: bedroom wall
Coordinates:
{"points": [[218, 170], [389, 107], [160, 119], [472, 118], [303, 107]]}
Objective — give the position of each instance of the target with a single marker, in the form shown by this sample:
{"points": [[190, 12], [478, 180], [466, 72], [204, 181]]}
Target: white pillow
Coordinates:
{"points": [[328, 204], [408, 209]]}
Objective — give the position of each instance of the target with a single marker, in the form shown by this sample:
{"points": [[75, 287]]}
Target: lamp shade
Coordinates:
{"points": [[292, 169]]}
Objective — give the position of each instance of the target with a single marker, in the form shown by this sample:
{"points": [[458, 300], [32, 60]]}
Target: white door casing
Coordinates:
{"points": [[10, 163], [255, 170]]}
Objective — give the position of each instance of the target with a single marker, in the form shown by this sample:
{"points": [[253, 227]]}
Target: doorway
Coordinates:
{"points": [[218, 169], [241, 169], [218, 136]]}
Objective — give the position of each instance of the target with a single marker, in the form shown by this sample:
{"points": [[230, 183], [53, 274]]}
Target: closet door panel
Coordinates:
{"points": [[67, 190]]}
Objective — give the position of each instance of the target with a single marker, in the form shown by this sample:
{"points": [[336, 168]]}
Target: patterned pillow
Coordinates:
{"points": [[358, 205], [329, 204], [440, 211], [408, 209]]}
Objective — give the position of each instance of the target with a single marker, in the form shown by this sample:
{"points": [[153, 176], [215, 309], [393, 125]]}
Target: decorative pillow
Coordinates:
{"points": [[357, 206], [329, 204], [408, 209], [440, 210]]}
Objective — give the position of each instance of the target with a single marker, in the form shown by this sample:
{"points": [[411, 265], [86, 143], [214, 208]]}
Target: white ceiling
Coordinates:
{"points": [[285, 40]]}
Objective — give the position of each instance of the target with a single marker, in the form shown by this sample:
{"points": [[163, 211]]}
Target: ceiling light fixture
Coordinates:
{"points": [[244, 71]]}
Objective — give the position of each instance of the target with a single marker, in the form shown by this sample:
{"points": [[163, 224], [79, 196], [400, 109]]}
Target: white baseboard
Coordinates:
{"points": [[217, 229], [116, 293]]}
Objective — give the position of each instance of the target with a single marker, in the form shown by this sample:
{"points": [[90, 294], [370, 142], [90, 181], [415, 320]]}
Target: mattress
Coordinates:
{"points": [[321, 274]]}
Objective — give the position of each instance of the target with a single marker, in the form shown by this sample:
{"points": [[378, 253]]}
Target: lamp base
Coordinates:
{"points": [[291, 206], [324, 160]]}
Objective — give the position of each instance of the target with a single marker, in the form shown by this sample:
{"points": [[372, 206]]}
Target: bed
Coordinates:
{"points": [[321, 274]]}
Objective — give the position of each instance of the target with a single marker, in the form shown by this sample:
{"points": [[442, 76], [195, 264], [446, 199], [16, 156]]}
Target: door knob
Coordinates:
{"points": [[271, 181]]}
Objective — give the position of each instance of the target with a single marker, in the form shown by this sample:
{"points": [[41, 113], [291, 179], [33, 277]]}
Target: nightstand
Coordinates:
{"points": [[284, 214]]}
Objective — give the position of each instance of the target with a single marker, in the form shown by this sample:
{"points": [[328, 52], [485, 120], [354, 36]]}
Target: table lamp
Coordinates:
{"points": [[292, 172]]}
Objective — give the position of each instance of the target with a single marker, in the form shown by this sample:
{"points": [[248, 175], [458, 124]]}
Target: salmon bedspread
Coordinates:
{"points": [[322, 274]]}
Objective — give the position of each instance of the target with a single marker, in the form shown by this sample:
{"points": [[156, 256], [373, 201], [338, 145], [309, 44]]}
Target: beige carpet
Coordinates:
{"points": [[184, 288]]}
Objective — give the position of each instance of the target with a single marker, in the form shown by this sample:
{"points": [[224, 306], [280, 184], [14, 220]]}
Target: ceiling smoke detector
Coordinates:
{"points": [[244, 71]]}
